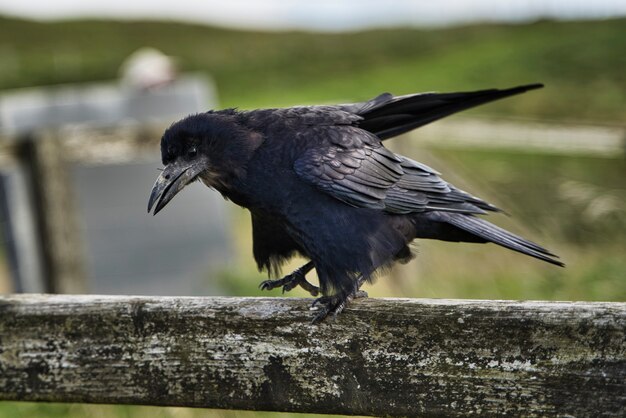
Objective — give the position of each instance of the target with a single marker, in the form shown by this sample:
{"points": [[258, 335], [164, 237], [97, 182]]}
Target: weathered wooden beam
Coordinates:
{"points": [[389, 357]]}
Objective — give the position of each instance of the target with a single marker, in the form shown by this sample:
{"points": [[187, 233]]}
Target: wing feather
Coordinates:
{"points": [[354, 167]]}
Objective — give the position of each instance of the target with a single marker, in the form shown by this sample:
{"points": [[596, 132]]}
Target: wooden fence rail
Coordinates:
{"points": [[393, 357]]}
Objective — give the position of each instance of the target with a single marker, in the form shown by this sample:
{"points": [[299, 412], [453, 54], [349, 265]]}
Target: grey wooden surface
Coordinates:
{"points": [[391, 357]]}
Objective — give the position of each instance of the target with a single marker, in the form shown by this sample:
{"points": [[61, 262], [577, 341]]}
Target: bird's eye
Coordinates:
{"points": [[192, 152]]}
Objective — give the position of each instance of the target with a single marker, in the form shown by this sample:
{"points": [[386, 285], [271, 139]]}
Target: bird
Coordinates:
{"points": [[319, 183]]}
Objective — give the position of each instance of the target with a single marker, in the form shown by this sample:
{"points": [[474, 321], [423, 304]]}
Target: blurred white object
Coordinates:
{"points": [[148, 68], [103, 104]]}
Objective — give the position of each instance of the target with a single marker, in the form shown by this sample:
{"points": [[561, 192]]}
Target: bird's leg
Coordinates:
{"points": [[297, 278], [358, 293], [335, 304]]}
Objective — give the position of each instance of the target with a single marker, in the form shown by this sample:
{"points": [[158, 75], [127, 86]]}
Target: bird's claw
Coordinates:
{"points": [[328, 305], [289, 282], [334, 305], [268, 284], [290, 285]]}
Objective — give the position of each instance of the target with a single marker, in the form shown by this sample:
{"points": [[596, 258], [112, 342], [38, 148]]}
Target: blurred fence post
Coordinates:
{"points": [[19, 230], [41, 230], [55, 213]]}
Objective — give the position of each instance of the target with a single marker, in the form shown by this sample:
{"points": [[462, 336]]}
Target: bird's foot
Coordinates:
{"points": [[334, 305], [290, 281]]}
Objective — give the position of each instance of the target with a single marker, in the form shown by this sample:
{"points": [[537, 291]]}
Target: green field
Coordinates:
{"points": [[574, 205], [582, 63]]}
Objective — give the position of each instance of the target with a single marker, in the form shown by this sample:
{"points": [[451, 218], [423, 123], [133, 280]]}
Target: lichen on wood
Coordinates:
{"points": [[395, 357]]}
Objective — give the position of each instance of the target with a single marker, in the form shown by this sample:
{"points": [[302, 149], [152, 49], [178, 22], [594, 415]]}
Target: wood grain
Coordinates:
{"points": [[393, 357]]}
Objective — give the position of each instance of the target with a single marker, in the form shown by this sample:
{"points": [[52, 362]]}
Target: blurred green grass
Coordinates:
{"points": [[582, 63], [573, 205], [56, 410]]}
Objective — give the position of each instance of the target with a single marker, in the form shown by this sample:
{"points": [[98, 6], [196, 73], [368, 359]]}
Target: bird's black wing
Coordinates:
{"points": [[387, 116], [420, 189], [352, 165]]}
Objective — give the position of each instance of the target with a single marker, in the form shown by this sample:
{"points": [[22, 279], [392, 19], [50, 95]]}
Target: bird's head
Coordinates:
{"points": [[213, 147]]}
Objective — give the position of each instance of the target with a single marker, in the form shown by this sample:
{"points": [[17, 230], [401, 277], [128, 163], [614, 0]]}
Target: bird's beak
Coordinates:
{"points": [[172, 180]]}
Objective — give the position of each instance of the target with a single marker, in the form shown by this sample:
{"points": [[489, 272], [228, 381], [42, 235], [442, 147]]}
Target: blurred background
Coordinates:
{"points": [[86, 89]]}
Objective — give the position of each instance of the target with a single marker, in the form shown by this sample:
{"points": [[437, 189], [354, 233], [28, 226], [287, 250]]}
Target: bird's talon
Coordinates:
{"points": [[290, 285], [323, 300], [291, 281], [320, 316], [328, 305], [269, 284]]}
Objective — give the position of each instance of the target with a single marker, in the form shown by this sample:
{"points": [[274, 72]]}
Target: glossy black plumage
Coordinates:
{"points": [[319, 182]]}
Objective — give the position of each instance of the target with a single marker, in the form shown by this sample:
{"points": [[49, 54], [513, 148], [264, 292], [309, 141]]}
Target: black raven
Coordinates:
{"points": [[318, 182]]}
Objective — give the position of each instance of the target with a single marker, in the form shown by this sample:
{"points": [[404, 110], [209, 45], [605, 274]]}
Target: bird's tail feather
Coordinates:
{"points": [[388, 116], [492, 233]]}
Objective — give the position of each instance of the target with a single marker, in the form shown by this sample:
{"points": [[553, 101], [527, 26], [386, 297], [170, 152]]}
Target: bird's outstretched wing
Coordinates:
{"points": [[353, 166], [387, 116]]}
